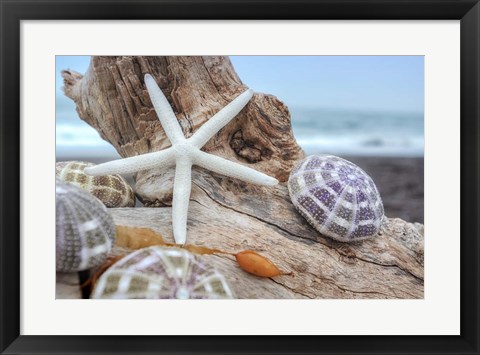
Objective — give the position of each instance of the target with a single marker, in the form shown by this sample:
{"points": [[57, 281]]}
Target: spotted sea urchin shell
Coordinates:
{"points": [[336, 197], [112, 190], [85, 231], [157, 272]]}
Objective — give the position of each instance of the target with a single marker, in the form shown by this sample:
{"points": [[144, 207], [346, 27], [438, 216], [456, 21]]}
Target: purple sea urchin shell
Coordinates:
{"points": [[336, 197], [158, 272], [85, 231]]}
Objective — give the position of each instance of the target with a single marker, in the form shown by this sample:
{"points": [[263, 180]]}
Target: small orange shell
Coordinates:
{"points": [[256, 264]]}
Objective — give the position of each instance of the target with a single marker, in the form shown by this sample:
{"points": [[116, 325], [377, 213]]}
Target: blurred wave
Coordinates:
{"points": [[359, 133], [80, 140], [317, 131]]}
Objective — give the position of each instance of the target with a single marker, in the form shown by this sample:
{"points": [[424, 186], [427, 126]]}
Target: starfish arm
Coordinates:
{"points": [[164, 111], [232, 169], [220, 119], [133, 164], [181, 198]]}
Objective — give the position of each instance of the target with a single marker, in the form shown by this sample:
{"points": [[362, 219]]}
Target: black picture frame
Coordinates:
{"points": [[13, 12]]}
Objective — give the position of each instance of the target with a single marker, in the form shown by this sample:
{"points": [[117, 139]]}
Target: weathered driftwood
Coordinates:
{"points": [[113, 99], [227, 214], [68, 285]]}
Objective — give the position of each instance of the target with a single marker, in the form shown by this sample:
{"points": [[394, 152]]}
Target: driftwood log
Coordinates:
{"points": [[228, 214]]}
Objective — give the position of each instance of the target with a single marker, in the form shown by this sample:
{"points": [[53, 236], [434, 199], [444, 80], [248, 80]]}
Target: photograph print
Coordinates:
{"points": [[239, 177]]}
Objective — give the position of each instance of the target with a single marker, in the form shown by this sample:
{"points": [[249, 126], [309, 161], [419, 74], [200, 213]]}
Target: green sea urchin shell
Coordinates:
{"points": [[158, 272], [85, 231], [112, 190]]}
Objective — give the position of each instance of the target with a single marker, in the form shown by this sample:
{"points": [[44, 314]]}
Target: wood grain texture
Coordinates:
{"points": [[389, 266], [228, 214]]}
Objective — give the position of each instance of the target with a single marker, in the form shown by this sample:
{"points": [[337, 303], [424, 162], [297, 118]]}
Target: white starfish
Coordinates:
{"points": [[184, 153]]}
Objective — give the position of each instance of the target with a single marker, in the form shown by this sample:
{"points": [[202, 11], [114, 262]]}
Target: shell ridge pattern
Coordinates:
{"points": [[83, 264], [336, 197], [86, 211], [101, 284], [206, 282], [84, 229], [127, 275], [145, 263], [127, 197], [171, 269], [376, 210], [100, 225], [333, 215], [69, 208], [112, 190], [306, 187], [351, 229], [157, 272], [300, 174], [87, 253], [376, 204]]}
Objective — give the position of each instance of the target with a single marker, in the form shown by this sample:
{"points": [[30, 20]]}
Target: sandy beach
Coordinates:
{"points": [[399, 180]]}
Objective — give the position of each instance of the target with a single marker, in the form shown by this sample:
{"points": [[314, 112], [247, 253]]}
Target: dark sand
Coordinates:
{"points": [[399, 180]]}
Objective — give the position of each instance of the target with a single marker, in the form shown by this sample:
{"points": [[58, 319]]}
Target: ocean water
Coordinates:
{"points": [[359, 133], [316, 130], [76, 139]]}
